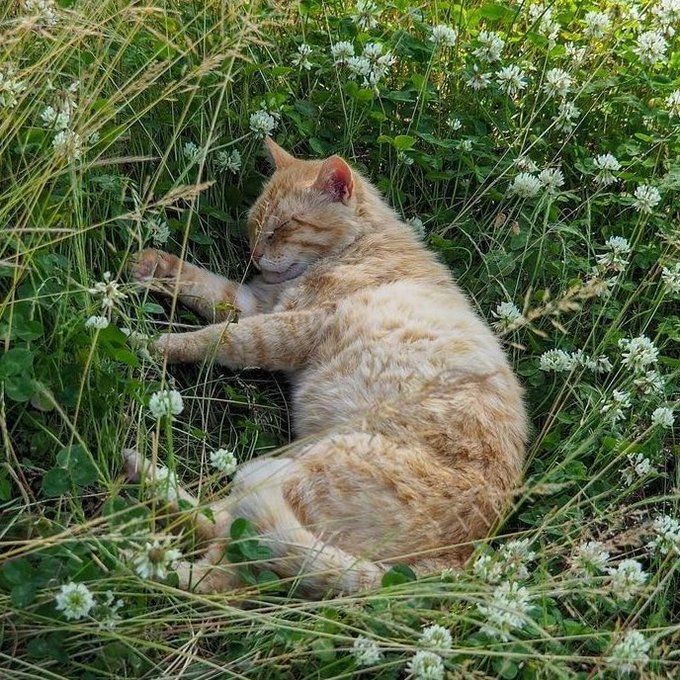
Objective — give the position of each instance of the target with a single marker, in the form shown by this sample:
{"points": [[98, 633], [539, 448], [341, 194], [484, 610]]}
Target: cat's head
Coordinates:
{"points": [[307, 211]]}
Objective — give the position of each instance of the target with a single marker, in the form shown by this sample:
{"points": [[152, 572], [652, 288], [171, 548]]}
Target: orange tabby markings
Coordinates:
{"points": [[410, 423]]}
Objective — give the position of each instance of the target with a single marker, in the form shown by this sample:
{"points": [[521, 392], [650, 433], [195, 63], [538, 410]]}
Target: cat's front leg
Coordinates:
{"points": [[280, 341], [212, 296]]}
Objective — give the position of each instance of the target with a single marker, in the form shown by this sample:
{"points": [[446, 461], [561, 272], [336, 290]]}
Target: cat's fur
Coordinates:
{"points": [[410, 422]]}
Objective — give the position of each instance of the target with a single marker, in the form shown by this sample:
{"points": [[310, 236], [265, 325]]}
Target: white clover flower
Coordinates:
{"points": [[224, 460], [477, 80], [10, 88], [567, 114], [373, 51], [630, 654], [638, 352], [663, 416], [342, 51], [454, 123], [557, 83], [109, 291], [651, 47], [525, 185], [45, 11], [229, 161], [97, 322], [673, 103], [165, 403], [575, 53], [359, 66], [551, 179], [417, 225], [597, 24], [671, 279], [301, 59], [647, 198], [546, 25], [155, 559], [508, 610], [366, 13], [366, 652], [487, 568], [511, 79], [617, 405], [437, 638], [68, 144], [514, 556], [262, 123], [606, 165], [164, 484], [490, 46], [508, 314], [666, 15], [157, 228], [650, 382], [59, 119], [638, 467], [443, 35], [590, 556], [667, 535], [599, 364], [425, 665], [191, 151], [627, 579], [616, 256], [556, 360], [75, 600]]}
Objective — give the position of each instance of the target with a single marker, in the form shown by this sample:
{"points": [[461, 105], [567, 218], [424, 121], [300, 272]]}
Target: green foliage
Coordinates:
{"points": [[151, 141]]}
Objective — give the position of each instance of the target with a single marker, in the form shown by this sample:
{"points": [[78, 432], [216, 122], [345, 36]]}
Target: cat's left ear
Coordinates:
{"points": [[335, 179], [279, 155]]}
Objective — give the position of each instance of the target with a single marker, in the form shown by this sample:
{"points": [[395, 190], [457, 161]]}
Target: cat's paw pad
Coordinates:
{"points": [[152, 264]]}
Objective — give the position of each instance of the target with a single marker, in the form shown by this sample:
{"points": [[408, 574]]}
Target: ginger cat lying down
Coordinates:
{"points": [[410, 422]]}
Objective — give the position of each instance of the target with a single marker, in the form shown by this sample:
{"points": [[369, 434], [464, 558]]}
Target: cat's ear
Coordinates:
{"points": [[281, 157], [335, 178]]}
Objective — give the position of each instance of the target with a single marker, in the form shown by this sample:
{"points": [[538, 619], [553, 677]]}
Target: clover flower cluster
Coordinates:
{"points": [[165, 403], [263, 122], [59, 117], [626, 579], [542, 16], [666, 539], [155, 559], [589, 558], [76, 601], [371, 66], [301, 58], [443, 36], [224, 460], [630, 654], [44, 11], [10, 88], [508, 316], [559, 361], [508, 610], [366, 652], [110, 296], [366, 14], [638, 467]]}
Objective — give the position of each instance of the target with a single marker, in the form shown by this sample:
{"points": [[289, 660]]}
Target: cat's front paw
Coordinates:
{"points": [[152, 264]]}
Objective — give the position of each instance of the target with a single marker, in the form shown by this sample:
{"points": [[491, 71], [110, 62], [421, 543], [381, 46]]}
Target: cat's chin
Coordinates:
{"points": [[295, 270]]}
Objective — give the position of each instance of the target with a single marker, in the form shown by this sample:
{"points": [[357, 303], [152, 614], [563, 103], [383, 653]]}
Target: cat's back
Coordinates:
{"points": [[398, 328]]}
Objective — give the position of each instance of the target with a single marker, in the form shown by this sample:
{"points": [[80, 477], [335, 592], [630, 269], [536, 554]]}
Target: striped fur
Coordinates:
{"points": [[410, 423]]}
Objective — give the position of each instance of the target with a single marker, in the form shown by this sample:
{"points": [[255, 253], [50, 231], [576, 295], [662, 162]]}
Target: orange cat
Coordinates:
{"points": [[410, 422]]}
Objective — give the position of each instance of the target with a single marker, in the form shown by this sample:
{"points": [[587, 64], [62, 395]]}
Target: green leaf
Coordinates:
{"points": [[23, 594], [79, 464], [239, 527], [403, 142], [19, 388], [56, 482], [15, 361], [398, 574]]}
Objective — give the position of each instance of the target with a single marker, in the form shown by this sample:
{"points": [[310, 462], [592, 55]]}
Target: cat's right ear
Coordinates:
{"points": [[281, 157]]}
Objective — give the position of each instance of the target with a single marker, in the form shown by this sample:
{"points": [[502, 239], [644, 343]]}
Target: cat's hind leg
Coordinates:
{"points": [[207, 519]]}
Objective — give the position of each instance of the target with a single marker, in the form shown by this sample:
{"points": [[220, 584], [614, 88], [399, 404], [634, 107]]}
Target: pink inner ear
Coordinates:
{"points": [[335, 178]]}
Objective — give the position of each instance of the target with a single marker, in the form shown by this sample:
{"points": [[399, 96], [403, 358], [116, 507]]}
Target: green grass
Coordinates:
{"points": [[152, 77]]}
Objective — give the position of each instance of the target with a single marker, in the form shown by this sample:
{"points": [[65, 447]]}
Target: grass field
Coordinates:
{"points": [[535, 147]]}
